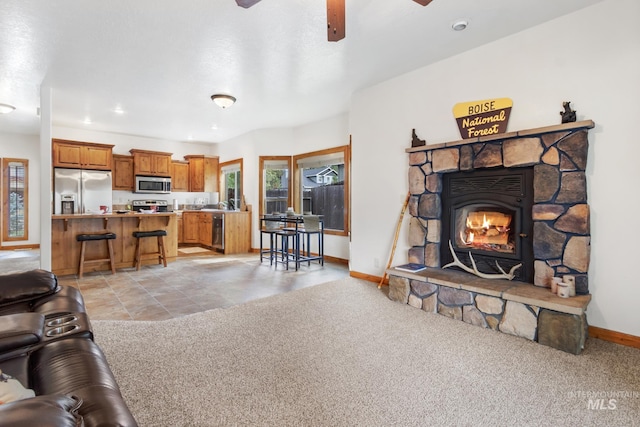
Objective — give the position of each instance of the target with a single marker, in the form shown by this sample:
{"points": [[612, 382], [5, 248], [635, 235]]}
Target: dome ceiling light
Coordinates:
{"points": [[223, 101], [6, 108]]}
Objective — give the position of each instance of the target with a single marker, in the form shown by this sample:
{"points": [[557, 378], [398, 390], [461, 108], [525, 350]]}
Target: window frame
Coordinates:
{"points": [[6, 180], [297, 190], [261, 185]]}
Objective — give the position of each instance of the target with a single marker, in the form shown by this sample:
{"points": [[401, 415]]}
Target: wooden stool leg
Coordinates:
{"points": [[162, 255], [81, 266], [138, 259], [111, 257]]}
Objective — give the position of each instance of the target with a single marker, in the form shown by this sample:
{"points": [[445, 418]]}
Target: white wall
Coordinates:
{"points": [[327, 133], [22, 146], [591, 58]]}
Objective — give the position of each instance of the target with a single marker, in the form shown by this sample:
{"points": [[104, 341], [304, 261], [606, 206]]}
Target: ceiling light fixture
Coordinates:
{"points": [[223, 101], [459, 25], [6, 108]]}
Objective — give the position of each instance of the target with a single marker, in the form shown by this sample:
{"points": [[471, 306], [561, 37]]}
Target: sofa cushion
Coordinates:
{"points": [[26, 286], [77, 366], [50, 410]]}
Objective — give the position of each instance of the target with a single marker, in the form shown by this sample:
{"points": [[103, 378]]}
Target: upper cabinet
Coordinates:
{"points": [[203, 173], [151, 163], [122, 172], [81, 155], [179, 176]]}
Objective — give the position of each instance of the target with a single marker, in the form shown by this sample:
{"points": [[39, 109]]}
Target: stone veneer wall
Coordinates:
{"points": [[558, 154]]}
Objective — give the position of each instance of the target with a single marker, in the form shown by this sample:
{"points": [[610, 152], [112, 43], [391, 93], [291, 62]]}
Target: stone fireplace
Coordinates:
{"points": [[560, 235], [517, 197]]}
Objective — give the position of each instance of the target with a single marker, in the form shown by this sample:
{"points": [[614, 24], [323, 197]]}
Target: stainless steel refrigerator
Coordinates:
{"points": [[81, 191]]}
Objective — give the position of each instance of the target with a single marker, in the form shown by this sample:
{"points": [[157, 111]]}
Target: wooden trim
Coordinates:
{"points": [[20, 247], [614, 337], [367, 277]]}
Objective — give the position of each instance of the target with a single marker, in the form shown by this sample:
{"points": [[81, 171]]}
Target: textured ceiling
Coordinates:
{"points": [[159, 61]]}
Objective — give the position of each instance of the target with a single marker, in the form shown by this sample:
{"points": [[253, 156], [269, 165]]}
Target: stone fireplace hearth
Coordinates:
{"points": [[558, 235]]}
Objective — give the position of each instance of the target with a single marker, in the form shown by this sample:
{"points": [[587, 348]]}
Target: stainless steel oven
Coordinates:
{"points": [[153, 184]]}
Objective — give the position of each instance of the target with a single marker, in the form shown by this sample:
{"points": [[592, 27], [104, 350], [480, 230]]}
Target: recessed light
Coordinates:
{"points": [[214, 126], [6, 108], [87, 121], [459, 25], [118, 110]]}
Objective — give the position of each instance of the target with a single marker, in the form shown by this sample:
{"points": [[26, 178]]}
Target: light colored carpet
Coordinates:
{"points": [[343, 354]]}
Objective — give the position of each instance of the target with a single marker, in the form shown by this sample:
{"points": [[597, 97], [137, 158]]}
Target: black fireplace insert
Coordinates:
{"points": [[487, 213]]}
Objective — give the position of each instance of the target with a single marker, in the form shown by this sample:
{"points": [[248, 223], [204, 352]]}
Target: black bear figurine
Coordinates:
{"points": [[568, 115], [415, 141]]}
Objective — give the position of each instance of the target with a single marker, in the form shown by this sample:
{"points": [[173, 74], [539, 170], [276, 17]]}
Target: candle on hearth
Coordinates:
{"points": [[563, 290], [571, 283], [554, 284]]}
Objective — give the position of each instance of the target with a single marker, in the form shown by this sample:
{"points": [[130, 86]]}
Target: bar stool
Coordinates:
{"points": [[282, 254], [159, 234], [270, 228], [311, 226], [88, 237]]}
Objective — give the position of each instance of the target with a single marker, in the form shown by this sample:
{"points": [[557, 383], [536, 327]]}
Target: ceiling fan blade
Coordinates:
{"points": [[423, 2], [246, 3], [335, 20]]}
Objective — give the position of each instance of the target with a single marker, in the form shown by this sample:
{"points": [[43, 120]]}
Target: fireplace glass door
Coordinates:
{"points": [[485, 228]]}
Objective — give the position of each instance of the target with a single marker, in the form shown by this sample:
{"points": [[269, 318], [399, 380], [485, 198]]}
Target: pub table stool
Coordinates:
{"points": [[159, 234], [88, 237], [284, 252]]}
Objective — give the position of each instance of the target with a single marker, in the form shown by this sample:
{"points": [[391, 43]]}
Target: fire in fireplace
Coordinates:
{"points": [[487, 213]]}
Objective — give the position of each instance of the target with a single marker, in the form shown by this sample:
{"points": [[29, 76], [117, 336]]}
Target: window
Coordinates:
{"points": [[322, 187], [275, 184], [231, 183], [15, 199]]}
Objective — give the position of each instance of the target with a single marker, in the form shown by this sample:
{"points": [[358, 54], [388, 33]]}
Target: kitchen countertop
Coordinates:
{"points": [[110, 215]]}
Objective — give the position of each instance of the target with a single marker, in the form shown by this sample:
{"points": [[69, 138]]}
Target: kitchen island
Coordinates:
{"points": [[65, 250]]}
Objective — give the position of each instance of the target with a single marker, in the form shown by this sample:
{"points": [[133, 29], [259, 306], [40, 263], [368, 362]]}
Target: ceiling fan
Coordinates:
{"points": [[335, 16]]}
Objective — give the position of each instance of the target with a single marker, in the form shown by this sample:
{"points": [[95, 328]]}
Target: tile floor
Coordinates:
{"points": [[193, 283]]}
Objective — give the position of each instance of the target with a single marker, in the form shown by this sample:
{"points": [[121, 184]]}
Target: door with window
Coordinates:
{"points": [[231, 184], [15, 199]]}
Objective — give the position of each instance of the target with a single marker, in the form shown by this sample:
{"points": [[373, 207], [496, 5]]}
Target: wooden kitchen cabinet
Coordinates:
{"points": [[122, 173], [190, 224], [237, 232], [206, 229], [151, 163], [179, 176], [81, 155], [203, 173], [180, 230]]}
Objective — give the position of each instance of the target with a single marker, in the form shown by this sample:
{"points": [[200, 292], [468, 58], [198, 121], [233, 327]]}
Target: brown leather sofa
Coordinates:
{"points": [[46, 343]]}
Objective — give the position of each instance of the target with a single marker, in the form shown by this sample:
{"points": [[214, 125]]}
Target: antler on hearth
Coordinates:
{"points": [[457, 263]]}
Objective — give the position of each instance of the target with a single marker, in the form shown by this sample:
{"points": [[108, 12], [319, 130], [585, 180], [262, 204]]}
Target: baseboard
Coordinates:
{"points": [[19, 247], [367, 277], [615, 337]]}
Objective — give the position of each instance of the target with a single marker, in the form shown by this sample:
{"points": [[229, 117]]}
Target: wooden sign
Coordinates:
{"points": [[482, 118]]}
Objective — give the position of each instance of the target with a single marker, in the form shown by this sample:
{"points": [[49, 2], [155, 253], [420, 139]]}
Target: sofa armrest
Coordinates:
{"points": [[20, 330], [26, 286], [51, 410]]}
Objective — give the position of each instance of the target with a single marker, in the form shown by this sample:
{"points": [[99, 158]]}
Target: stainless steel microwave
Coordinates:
{"points": [[153, 184]]}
